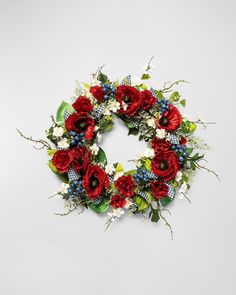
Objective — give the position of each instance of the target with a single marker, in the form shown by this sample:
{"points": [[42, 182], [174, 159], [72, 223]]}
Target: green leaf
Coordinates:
{"points": [[192, 165], [119, 167], [101, 208], [106, 124], [159, 94], [51, 152], [52, 167], [188, 127], [150, 196], [189, 151], [148, 164], [175, 96], [140, 202], [101, 156], [102, 78], [130, 172], [166, 201], [146, 77], [154, 215], [197, 157], [61, 110], [183, 102], [133, 131]]}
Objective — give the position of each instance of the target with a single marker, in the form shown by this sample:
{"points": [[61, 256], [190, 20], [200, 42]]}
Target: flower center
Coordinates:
{"points": [[94, 182], [127, 99], [163, 165], [164, 121], [80, 125]]}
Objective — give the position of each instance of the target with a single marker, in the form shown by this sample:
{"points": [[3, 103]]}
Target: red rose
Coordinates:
{"points": [[148, 100], [159, 189], [79, 124], [129, 96], [80, 159], [95, 180], [171, 119], [97, 92], [82, 105], [125, 185], [165, 165], [160, 145], [183, 140], [61, 160], [117, 201]]}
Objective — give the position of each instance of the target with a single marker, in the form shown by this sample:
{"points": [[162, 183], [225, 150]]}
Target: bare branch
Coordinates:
{"points": [[43, 143]]}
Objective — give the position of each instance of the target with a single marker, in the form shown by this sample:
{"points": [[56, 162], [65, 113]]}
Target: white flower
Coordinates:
{"points": [[161, 133], [178, 176], [124, 106], [110, 169], [63, 143], [151, 122], [114, 106], [58, 131], [128, 203], [94, 149], [182, 190], [118, 174], [106, 112], [64, 188], [94, 80], [99, 137], [116, 213], [136, 81], [149, 153]]}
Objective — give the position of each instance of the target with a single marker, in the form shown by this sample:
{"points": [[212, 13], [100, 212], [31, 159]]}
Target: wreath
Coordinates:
{"points": [[164, 169]]}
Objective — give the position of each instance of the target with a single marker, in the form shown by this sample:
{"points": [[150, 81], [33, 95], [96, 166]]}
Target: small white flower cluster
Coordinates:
{"points": [[148, 153], [161, 133], [117, 213], [94, 149], [64, 188]]}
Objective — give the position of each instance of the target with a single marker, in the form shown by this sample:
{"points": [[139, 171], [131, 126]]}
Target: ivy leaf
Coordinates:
{"points": [[133, 131], [51, 152], [105, 124], [130, 172], [154, 214], [183, 102], [61, 110], [148, 164], [140, 202], [188, 127], [102, 78], [101, 156], [159, 94], [165, 201], [119, 167], [52, 167], [146, 76], [175, 96], [101, 208]]}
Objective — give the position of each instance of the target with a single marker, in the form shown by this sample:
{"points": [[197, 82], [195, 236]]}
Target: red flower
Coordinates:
{"points": [[129, 96], [160, 145], [171, 119], [79, 124], [183, 140], [148, 100], [159, 189], [97, 92], [117, 201], [165, 165], [82, 105], [80, 159], [61, 160], [125, 185], [95, 180]]}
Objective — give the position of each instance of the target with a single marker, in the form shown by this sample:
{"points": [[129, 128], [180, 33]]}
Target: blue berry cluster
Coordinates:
{"points": [[142, 175], [75, 139], [181, 150], [109, 91], [76, 188], [163, 105]]}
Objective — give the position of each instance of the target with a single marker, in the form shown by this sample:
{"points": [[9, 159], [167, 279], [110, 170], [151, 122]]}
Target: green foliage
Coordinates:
{"points": [[133, 131], [188, 127], [102, 78], [106, 124], [154, 215], [165, 201], [183, 102], [175, 96], [141, 203], [145, 76], [101, 156], [130, 172], [51, 152], [61, 110], [101, 208]]}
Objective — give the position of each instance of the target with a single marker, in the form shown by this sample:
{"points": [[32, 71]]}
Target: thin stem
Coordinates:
{"points": [[44, 143], [208, 170], [71, 210], [148, 65], [168, 88], [186, 197], [166, 222]]}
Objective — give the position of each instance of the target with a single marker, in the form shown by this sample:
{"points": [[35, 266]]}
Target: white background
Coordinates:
{"points": [[45, 46]]}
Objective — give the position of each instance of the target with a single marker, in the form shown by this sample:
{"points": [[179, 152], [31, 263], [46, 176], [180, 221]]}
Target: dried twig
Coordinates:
{"points": [[44, 143]]}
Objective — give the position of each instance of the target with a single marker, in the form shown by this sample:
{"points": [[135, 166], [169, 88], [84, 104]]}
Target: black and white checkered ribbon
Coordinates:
{"points": [[99, 111], [72, 175], [133, 121], [171, 190], [174, 139], [153, 92]]}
